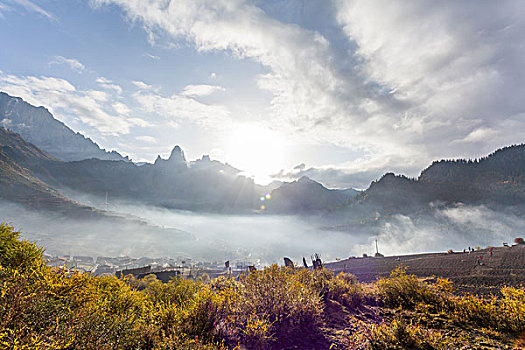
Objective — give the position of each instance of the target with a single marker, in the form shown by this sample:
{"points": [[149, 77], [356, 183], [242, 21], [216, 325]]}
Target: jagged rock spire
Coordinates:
{"points": [[176, 158], [177, 154]]}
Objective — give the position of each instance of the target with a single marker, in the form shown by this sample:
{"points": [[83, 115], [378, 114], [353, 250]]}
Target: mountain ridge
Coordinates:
{"points": [[38, 126], [496, 180]]}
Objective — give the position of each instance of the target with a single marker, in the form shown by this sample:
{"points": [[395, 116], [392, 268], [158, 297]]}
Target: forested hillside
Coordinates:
{"points": [[497, 180]]}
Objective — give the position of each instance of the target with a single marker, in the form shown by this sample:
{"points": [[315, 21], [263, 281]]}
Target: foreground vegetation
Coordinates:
{"points": [[276, 308]]}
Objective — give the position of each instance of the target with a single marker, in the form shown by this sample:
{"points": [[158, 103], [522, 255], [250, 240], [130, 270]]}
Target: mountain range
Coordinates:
{"points": [[37, 171], [496, 181]]}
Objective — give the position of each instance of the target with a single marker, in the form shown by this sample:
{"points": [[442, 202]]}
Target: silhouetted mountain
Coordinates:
{"points": [[38, 126], [19, 185], [201, 185], [305, 196], [206, 184], [497, 180]]}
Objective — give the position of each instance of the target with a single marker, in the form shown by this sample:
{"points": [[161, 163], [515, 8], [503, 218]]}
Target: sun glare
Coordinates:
{"points": [[256, 150]]}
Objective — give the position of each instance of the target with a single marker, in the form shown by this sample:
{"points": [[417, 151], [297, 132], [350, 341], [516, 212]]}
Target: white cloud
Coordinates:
{"points": [[29, 6], [121, 108], [139, 122], [73, 64], [479, 135], [66, 102], [201, 90], [108, 84], [147, 139], [316, 90], [153, 57], [459, 74], [4, 8], [178, 107], [142, 85], [299, 70], [405, 82]]}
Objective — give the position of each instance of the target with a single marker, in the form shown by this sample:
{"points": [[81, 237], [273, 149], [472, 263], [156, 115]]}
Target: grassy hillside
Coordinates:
{"points": [[276, 308]]}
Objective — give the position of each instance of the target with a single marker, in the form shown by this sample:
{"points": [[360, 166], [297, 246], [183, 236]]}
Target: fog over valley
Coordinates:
{"points": [[260, 239], [255, 130]]}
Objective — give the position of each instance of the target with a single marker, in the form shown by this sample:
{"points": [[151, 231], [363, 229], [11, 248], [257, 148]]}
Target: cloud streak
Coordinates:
{"points": [[201, 90], [29, 6], [72, 63]]}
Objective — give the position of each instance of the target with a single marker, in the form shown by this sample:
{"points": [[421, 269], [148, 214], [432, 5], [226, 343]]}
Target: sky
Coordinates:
{"points": [[341, 91]]}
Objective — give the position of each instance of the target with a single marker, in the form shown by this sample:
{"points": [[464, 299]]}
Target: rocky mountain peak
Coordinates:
{"points": [[176, 159], [39, 127], [177, 155], [305, 180]]}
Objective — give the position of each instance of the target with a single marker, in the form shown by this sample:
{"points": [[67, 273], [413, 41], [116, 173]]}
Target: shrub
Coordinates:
{"points": [[400, 335], [503, 314], [44, 308], [406, 291], [186, 307], [277, 304], [15, 253], [512, 308], [223, 283], [343, 288]]}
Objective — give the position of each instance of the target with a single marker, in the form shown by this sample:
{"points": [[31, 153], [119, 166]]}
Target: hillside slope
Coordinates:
{"points": [[17, 184]]}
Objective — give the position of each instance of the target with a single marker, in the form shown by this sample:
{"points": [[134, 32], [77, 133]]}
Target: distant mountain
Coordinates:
{"points": [[38, 126], [204, 184], [305, 196], [497, 180], [19, 185]]}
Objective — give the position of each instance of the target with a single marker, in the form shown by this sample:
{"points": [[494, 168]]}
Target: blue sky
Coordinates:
{"points": [[341, 91]]}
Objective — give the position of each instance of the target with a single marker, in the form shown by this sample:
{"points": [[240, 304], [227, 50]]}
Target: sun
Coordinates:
{"points": [[256, 150]]}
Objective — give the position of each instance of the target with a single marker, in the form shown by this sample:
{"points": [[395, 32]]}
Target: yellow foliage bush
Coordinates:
{"points": [[277, 307]]}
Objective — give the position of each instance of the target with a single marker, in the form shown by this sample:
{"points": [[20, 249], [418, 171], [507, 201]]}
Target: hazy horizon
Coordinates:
{"points": [[260, 239]]}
